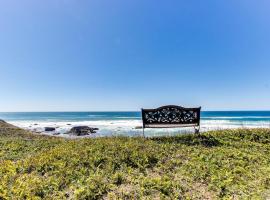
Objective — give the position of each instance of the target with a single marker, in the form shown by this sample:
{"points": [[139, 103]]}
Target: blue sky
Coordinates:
{"points": [[83, 55]]}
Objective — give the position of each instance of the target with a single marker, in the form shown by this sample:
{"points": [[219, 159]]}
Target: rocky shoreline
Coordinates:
{"points": [[74, 131], [98, 128]]}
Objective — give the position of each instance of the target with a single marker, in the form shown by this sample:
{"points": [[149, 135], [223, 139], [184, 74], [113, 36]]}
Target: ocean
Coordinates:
{"points": [[124, 123]]}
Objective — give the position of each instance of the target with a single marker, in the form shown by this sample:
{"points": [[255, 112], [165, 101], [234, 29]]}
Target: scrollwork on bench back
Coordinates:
{"points": [[171, 115]]}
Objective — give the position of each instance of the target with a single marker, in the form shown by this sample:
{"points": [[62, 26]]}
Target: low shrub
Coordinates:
{"points": [[223, 164]]}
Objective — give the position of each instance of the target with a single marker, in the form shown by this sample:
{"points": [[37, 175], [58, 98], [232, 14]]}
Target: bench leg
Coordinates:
{"points": [[197, 130], [143, 133]]}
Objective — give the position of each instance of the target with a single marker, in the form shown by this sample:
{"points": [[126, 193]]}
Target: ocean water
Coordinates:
{"points": [[124, 123]]}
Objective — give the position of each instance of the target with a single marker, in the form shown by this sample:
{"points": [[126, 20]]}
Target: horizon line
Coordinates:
{"points": [[223, 110]]}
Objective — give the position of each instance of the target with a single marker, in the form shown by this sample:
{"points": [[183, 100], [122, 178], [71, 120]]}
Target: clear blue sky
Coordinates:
{"points": [[61, 55]]}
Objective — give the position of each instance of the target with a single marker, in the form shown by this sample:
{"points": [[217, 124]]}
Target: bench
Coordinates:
{"points": [[171, 117]]}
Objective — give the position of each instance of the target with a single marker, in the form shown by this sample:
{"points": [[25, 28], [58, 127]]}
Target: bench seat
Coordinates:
{"points": [[169, 125]]}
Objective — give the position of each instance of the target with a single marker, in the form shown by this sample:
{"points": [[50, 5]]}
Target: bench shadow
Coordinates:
{"points": [[190, 140]]}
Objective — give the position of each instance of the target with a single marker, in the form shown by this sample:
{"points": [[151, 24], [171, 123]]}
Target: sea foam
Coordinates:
{"points": [[128, 127]]}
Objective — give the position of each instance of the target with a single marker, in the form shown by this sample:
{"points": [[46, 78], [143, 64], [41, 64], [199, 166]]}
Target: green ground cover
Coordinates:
{"points": [[227, 164]]}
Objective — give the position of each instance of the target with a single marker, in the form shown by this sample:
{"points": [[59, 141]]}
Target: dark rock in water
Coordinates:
{"points": [[82, 130], [68, 124], [35, 124], [49, 129], [2, 121], [56, 133], [138, 127]]}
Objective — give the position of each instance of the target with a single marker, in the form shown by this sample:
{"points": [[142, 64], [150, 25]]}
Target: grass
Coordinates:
{"points": [[228, 164]]}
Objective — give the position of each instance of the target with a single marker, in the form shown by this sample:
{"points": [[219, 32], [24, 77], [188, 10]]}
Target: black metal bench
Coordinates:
{"points": [[171, 117]]}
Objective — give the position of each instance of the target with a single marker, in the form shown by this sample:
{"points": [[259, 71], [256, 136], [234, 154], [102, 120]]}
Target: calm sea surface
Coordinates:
{"points": [[237, 116], [124, 123]]}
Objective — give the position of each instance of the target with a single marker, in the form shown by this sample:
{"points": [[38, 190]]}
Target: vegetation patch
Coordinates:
{"points": [[227, 164]]}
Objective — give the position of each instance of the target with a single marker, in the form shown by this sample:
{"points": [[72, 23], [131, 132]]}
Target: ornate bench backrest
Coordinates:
{"points": [[171, 115]]}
